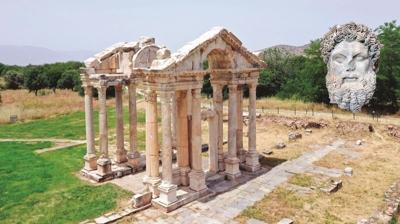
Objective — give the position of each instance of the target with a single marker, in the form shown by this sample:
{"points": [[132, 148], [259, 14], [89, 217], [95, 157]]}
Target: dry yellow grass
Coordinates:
{"points": [[27, 106], [375, 170]]}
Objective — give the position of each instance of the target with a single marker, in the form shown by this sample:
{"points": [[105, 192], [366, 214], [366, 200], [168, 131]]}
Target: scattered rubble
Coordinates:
{"points": [[348, 171], [393, 131], [333, 187], [352, 127], [286, 221], [296, 123], [294, 135], [390, 209], [280, 145]]}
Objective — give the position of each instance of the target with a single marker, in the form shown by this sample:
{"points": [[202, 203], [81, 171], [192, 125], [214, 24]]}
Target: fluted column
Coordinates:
{"points": [[252, 162], [120, 154], [196, 176], [218, 108], [152, 178], [166, 188], [133, 154], [232, 162], [174, 119], [103, 163], [239, 132], [213, 143], [90, 157], [182, 137]]}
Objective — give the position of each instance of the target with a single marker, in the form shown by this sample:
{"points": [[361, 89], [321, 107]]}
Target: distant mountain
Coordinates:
{"points": [[295, 50], [24, 55]]}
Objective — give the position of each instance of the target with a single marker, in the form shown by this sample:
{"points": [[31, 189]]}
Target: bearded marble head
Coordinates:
{"points": [[351, 52]]}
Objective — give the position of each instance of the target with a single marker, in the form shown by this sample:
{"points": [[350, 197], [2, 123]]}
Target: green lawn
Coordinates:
{"points": [[44, 189], [70, 126]]}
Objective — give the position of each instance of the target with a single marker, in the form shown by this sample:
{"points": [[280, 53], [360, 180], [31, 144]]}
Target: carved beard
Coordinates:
{"points": [[351, 95]]}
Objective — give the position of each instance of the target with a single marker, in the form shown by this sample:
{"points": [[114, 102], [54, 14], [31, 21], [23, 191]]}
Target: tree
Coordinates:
{"points": [[35, 79], [13, 79], [388, 77], [68, 79]]}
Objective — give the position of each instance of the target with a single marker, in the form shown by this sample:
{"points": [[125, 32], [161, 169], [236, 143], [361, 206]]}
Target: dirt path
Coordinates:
{"points": [[58, 143]]}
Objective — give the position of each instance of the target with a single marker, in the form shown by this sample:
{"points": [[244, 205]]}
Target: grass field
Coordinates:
{"points": [[43, 188]]}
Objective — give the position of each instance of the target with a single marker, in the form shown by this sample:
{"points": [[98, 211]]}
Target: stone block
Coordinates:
{"points": [[293, 136], [142, 199], [103, 166], [286, 221], [348, 171]]}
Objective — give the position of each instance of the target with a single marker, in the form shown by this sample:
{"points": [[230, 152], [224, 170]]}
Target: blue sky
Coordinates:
{"points": [[94, 25]]}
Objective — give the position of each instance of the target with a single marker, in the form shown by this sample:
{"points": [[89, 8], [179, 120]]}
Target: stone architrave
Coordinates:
{"points": [[90, 157], [351, 52]]}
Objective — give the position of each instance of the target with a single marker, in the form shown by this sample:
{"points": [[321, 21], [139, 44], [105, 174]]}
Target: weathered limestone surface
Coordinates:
{"points": [[351, 52], [178, 78]]}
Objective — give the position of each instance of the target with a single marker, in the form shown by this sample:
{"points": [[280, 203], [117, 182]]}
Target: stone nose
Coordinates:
{"points": [[350, 66]]}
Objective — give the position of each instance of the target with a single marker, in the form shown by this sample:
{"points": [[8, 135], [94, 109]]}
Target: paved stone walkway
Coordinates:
{"points": [[225, 207]]}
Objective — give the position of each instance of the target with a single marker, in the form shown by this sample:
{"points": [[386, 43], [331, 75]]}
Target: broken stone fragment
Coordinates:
{"points": [[308, 131], [267, 152], [348, 171], [141, 199], [294, 135], [333, 187], [359, 142], [286, 221], [280, 145]]}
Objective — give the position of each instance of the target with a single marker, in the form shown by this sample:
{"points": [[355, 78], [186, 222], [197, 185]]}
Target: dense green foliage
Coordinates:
{"points": [[303, 77], [37, 77], [387, 93], [43, 188]]}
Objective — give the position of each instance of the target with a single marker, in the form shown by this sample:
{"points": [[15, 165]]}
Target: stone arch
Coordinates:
{"points": [[145, 56], [220, 59]]}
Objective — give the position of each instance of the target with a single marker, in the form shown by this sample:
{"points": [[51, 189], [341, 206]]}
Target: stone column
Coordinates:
{"points": [[120, 154], [174, 119], [232, 162], [218, 108], [104, 162], [213, 143], [133, 154], [166, 188], [182, 137], [252, 163], [239, 133], [90, 157], [152, 177], [196, 176]]}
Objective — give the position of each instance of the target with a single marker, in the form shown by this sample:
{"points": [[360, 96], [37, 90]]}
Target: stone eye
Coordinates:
{"points": [[339, 58], [359, 57]]}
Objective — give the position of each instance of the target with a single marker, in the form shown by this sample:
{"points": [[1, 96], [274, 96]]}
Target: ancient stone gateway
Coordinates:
{"points": [[177, 80]]}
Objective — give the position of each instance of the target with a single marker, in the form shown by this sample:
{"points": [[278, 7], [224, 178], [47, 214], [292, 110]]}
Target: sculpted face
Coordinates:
{"points": [[351, 78]]}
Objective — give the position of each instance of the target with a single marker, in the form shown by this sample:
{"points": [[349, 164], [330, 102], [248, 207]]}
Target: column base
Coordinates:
{"points": [[104, 166], [167, 193], [120, 156], [221, 163], [90, 162], [197, 180], [134, 160], [252, 164], [242, 155], [152, 184], [232, 168], [184, 175]]}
